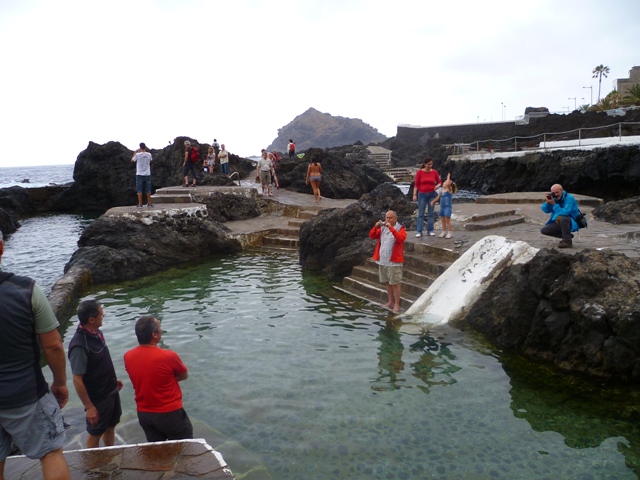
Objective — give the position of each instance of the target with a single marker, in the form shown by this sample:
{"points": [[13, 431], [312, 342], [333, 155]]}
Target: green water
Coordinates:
{"points": [[289, 379]]}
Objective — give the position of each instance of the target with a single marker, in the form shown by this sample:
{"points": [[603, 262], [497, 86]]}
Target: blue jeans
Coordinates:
{"points": [[224, 168], [424, 201]]}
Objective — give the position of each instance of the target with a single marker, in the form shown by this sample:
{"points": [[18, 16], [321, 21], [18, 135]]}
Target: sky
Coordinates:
{"points": [[75, 71]]}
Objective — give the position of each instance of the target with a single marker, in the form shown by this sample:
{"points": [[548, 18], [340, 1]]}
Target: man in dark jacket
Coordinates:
{"points": [[94, 376], [30, 414]]}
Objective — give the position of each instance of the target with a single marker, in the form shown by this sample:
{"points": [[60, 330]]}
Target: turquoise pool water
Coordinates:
{"points": [[310, 384]]}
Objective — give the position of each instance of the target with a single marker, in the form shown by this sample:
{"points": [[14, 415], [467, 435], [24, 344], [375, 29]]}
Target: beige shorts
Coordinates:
{"points": [[265, 177], [390, 274]]}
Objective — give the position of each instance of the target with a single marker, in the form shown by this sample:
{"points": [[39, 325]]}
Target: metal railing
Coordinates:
{"points": [[579, 134]]}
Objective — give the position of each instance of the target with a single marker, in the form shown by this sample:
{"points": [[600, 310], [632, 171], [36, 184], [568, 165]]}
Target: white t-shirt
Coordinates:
{"points": [[143, 163]]}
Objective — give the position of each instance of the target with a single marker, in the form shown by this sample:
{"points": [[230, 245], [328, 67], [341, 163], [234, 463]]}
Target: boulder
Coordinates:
{"points": [[338, 239], [104, 176], [122, 247], [342, 176], [581, 312], [622, 211], [14, 202]]}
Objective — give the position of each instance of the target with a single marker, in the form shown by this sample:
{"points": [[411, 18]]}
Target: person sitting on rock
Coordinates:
{"points": [[563, 209]]}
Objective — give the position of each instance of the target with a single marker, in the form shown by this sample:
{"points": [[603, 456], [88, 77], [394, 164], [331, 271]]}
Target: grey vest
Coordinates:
{"points": [[21, 379]]}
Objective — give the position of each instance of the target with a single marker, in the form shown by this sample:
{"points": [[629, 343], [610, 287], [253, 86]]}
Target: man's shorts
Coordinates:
{"points": [[36, 429], [189, 167], [265, 177], [390, 274], [143, 183], [109, 413], [159, 427]]}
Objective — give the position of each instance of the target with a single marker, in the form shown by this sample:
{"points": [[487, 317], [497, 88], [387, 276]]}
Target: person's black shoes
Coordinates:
{"points": [[565, 244]]}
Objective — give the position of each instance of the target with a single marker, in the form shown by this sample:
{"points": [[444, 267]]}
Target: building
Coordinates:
{"points": [[624, 84]]}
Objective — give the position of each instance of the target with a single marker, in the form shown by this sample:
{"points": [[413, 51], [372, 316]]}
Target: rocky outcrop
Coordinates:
{"points": [[622, 211], [337, 240], [609, 173], [342, 176], [314, 129], [104, 176], [127, 246], [14, 202], [242, 204], [581, 312]]}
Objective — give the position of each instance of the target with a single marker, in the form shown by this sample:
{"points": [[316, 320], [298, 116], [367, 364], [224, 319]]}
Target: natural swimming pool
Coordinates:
{"points": [[291, 380]]}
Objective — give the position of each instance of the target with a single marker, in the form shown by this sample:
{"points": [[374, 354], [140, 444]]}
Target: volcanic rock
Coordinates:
{"points": [[581, 312], [121, 247], [342, 176], [622, 211]]}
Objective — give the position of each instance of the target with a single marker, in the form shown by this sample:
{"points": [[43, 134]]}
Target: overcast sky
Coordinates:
{"points": [[75, 71]]}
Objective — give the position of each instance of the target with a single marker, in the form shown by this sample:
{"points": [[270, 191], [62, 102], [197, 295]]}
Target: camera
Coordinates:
{"points": [[550, 196]]}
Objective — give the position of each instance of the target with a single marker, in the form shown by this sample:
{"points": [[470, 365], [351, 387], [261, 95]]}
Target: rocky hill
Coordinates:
{"points": [[323, 130]]}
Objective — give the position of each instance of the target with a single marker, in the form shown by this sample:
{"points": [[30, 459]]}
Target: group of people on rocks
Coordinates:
{"points": [[217, 154], [30, 409], [428, 189]]}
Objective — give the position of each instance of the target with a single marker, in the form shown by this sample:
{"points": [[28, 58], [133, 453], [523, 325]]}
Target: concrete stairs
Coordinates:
{"points": [[400, 174], [422, 265], [288, 238], [504, 218], [172, 195]]}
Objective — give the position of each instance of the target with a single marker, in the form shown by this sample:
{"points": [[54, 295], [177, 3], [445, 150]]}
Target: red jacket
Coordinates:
{"points": [[397, 254]]}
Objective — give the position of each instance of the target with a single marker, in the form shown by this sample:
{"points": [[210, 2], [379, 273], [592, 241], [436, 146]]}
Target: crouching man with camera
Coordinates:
{"points": [[564, 210]]}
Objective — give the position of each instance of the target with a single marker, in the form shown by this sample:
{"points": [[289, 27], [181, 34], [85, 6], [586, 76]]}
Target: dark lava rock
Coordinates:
{"points": [[622, 211], [224, 207], [104, 176], [343, 176], [116, 248], [14, 202], [580, 312], [338, 239]]}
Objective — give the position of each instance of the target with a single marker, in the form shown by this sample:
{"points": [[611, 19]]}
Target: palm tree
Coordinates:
{"points": [[633, 95], [599, 72]]}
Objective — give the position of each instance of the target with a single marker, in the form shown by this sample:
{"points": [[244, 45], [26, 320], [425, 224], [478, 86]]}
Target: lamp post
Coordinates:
{"points": [[502, 110], [575, 103], [590, 88]]}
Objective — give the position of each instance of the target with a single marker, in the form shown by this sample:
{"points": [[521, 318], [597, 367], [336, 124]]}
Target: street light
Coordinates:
{"points": [[503, 110], [590, 88], [575, 103]]}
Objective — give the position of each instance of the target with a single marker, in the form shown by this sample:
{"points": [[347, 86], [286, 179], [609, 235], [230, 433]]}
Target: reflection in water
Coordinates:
{"points": [[548, 400]]}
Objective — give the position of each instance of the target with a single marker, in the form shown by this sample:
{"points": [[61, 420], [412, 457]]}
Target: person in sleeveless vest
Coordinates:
{"points": [[94, 376], [30, 410]]}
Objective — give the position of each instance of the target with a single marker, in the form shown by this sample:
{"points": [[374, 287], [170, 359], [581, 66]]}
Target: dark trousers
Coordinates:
{"points": [[561, 228], [159, 427]]}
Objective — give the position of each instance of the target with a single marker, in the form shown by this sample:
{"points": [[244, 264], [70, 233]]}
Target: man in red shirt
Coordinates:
{"points": [[155, 374]]}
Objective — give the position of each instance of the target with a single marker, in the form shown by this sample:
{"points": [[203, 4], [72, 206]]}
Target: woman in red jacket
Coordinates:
{"points": [[424, 190]]}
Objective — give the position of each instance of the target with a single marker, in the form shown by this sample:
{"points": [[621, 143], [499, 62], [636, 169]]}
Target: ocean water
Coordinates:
{"points": [[30, 177]]}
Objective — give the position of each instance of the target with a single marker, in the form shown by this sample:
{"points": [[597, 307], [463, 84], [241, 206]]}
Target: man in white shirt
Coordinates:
{"points": [[143, 160]]}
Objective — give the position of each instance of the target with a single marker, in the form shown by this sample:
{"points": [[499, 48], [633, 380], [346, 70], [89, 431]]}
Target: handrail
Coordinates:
{"points": [[544, 135]]}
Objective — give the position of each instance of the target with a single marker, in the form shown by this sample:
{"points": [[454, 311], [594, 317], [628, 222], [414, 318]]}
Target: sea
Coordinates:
{"points": [[31, 177]]}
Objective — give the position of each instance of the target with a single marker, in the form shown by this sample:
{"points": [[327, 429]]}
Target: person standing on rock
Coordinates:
{"points": [[30, 410], [389, 254], [564, 210], [424, 191], [223, 155], [155, 373], [143, 160], [189, 163], [291, 149], [94, 376], [216, 147], [314, 175], [265, 170]]}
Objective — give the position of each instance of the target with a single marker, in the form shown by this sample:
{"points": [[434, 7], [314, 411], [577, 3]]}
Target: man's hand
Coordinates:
{"points": [[61, 392], [92, 415], [120, 384]]}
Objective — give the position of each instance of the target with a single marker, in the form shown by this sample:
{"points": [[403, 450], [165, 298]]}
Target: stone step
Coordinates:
{"points": [[427, 264], [296, 223], [281, 240], [449, 255], [171, 198], [289, 231], [371, 293], [307, 214], [489, 216], [413, 283], [502, 221]]}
